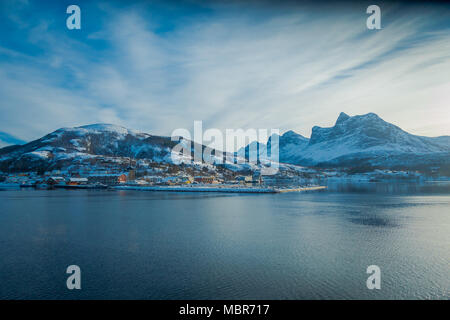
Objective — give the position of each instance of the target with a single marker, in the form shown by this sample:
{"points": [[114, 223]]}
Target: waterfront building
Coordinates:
{"points": [[77, 181], [205, 179], [55, 180], [108, 179]]}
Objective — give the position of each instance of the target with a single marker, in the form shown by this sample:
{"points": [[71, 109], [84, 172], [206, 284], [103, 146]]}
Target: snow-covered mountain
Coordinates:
{"points": [[371, 139], [72, 144], [289, 143], [360, 140]]}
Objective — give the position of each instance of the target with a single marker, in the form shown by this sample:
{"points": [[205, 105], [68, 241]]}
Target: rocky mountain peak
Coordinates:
{"points": [[342, 117]]}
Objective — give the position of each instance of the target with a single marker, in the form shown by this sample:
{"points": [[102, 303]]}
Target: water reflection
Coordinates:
{"points": [[392, 187], [159, 245]]}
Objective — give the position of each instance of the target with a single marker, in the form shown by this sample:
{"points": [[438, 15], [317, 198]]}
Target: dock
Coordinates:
{"points": [[227, 189], [315, 188]]}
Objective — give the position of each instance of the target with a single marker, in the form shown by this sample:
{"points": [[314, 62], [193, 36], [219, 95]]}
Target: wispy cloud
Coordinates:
{"points": [[229, 65]]}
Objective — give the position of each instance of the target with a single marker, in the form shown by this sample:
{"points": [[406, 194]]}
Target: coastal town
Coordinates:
{"points": [[102, 156], [129, 180], [142, 174], [130, 174], [131, 177]]}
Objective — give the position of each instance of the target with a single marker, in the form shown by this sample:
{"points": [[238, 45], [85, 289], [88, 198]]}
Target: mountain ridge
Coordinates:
{"points": [[352, 141], [366, 139]]}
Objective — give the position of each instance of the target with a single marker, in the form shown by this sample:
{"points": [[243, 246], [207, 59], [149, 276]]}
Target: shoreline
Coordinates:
{"points": [[204, 188], [218, 189]]}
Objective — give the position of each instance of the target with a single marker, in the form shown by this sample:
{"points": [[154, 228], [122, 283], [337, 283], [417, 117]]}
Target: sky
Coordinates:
{"points": [[158, 66]]}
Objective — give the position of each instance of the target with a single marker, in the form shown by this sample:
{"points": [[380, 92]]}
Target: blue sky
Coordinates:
{"points": [[158, 66]]}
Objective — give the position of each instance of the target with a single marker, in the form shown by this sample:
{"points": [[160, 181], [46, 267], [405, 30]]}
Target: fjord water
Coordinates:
{"points": [[158, 245]]}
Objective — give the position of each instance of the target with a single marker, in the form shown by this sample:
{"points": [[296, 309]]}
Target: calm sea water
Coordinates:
{"points": [[145, 245]]}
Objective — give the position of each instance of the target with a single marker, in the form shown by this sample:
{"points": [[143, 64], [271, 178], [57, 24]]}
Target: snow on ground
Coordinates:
{"points": [[39, 154]]}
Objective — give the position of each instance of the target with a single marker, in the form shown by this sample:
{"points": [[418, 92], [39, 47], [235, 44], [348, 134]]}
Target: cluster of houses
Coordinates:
{"points": [[183, 179], [59, 179], [97, 179]]}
